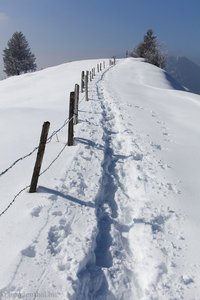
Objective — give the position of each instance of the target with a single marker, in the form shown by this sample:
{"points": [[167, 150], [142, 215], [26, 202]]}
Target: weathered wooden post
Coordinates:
{"points": [[71, 121], [91, 75], [39, 158], [86, 86], [82, 81], [98, 68], [76, 101], [94, 71], [104, 64]]}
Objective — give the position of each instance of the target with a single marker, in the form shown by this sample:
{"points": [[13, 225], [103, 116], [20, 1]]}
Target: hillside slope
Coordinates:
{"points": [[116, 215], [185, 71]]}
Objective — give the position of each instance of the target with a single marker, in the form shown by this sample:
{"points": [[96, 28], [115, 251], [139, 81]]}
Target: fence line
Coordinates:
{"points": [[36, 148]]}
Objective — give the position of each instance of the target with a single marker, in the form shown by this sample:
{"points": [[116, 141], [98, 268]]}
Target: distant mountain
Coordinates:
{"points": [[184, 71]]}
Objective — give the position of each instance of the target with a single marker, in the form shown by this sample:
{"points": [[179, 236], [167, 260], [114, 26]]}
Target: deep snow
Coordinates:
{"points": [[116, 215]]}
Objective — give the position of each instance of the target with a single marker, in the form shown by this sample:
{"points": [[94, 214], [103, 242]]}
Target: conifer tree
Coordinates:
{"points": [[17, 57], [150, 50]]}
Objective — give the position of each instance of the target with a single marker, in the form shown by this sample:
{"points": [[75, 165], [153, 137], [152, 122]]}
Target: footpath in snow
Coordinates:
{"points": [[116, 217]]}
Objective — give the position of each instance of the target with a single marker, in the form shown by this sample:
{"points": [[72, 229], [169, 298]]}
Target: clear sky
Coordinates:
{"points": [[63, 30]]}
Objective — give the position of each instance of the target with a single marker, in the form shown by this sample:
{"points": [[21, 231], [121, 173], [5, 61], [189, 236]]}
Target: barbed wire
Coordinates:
{"points": [[36, 148], [18, 160], [58, 155], [15, 197]]}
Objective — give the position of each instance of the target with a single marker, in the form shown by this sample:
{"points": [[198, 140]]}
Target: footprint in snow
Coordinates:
{"points": [[139, 107], [36, 211], [56, 235], [173, 188], [53, 240], [186, 280], [165, 133], [86, 158], [53, 197], [163, 165], [128, 131], [57, 213], [29, 251], [138, 156], [61, 267], [156, 146]]}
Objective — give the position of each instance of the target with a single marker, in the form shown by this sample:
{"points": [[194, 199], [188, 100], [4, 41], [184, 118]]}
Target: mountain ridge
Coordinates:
{"points": [[185, 71]]}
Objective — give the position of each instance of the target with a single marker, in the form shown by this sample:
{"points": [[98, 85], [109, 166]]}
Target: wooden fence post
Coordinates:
{"points": [[91, 75], [39, 158], [98, 68], [82, 81], [76, 101], [71, 121], [104, 65], [86, 86], [93, 71]]}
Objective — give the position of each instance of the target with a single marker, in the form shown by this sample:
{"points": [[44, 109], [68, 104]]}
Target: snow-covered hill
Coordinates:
{"points": [[117, 215]]}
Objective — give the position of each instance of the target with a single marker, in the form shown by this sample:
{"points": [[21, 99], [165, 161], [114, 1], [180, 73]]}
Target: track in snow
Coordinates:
{"points": [[106, 205], [96, 278]]}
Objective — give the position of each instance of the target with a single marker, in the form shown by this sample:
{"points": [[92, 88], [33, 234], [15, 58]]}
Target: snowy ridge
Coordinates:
{"points": [[111, 219]]}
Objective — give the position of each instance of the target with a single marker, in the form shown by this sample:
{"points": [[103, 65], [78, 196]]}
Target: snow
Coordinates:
{"points": [[116, 215]]}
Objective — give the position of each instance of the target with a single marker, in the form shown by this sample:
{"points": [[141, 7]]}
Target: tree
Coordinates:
{"points": [[17, 56], [150, 50]]}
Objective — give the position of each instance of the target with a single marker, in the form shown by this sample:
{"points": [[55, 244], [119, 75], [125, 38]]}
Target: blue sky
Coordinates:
{"points": [[63, 30]]}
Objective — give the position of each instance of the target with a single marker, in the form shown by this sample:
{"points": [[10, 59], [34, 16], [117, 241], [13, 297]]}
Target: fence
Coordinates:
{"points": [[71, 121]]}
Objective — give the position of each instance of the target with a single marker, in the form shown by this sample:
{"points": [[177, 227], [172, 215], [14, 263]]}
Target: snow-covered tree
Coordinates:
{"points": [[18, 57], [150, 50]]}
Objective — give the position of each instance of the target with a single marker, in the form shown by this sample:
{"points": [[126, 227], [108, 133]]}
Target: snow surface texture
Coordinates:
{"points": [[116, 216]]}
